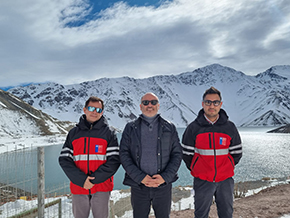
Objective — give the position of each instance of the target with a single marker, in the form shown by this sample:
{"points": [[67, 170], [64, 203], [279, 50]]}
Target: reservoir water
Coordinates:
{"points": [[264, 155]]}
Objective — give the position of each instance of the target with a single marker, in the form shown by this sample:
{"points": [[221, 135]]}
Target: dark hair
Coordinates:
{"points": [[94, 99], [211, 90]]}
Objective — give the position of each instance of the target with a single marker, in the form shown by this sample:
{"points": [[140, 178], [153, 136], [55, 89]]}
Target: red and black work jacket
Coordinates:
{"points": [[90, 150], [211, 151]]}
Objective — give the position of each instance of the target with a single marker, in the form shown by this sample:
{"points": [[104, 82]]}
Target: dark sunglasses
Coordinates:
{"points": [[146, 102], [209, 102], [91, 109]]}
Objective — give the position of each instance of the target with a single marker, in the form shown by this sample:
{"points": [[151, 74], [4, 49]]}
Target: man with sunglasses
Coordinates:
{"points": [[90, 158], [151, 154], [211, 149]]}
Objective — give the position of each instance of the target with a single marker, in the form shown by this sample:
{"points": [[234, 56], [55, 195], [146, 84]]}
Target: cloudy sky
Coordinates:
{"points": [[71, 41]]}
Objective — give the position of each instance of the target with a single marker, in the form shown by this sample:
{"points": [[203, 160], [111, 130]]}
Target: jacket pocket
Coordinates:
{"points": [[232, 162], [193, 164]]}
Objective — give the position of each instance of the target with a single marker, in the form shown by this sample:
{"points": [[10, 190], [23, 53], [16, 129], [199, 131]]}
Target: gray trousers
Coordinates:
{"points": [[98, 203], [222, 191]]}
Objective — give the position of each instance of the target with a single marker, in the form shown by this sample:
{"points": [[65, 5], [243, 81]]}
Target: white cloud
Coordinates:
{"points": [[38, 42]]}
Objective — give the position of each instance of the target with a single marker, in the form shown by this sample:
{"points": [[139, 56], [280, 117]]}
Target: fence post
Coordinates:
{"points": [[59, 209], [40, 181], [112, 210]]}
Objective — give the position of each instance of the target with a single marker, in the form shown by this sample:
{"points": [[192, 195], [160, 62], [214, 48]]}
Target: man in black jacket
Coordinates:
{"points": [[211, 149], [151, 154], [90, 158]]}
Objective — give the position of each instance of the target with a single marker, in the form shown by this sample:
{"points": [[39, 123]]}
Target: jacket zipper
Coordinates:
{"points": [[85, 145], [138, 154], [209, 139], [88, 159], [215, 168], [159, 150]]}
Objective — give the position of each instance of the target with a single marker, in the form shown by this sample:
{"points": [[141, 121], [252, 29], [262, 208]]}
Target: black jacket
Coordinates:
{"points": [[169, 152]]}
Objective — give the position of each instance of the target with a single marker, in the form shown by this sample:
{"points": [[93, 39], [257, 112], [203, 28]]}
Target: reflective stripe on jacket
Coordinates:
{"points": [[212, 156], [90, 150], [211, 151], [89, 154]]}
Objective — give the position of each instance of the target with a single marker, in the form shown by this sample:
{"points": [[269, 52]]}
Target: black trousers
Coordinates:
{"points": [[222, 191], [159, 198]]}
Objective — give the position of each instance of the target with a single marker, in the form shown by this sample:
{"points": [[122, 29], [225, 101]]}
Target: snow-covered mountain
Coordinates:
{"points": [[17, 118], [261, 100]]}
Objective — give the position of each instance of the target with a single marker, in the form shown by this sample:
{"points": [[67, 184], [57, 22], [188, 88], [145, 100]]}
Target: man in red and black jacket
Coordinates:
{"points": [[211, 149], [90, 158]]}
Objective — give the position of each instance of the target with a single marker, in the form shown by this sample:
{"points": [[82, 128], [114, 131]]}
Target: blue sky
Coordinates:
{"points": [[96, 6], [73, 41], [103, 4]]}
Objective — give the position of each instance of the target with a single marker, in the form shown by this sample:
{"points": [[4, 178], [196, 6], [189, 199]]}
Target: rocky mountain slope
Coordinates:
{"points": [[18, 118], [261, 100], [281, 129]]}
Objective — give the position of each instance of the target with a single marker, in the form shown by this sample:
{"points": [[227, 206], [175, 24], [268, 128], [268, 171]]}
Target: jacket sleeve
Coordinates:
{"points": [[66, 162], [126, 158], [188, 146], [108, 169], [173, 165], [235, 148]]}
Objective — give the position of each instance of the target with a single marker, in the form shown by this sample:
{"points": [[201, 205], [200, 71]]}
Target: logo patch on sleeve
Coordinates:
{"points": [[223, 141], [98, 148]]}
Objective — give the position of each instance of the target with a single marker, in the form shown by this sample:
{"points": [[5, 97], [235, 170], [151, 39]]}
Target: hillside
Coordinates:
{"points": [[281, 129], [18, 118]]}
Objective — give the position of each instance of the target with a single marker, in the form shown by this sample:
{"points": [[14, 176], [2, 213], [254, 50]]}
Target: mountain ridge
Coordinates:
{"points": [[260, 100]]}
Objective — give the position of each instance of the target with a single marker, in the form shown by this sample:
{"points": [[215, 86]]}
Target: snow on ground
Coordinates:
{"points": [[116, 195], [13, 208], [8, 144], [16, 207], [273, 182]]}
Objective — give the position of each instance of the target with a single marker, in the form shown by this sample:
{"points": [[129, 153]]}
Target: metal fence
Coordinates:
{"points": [[22, 186], [23, 192]]}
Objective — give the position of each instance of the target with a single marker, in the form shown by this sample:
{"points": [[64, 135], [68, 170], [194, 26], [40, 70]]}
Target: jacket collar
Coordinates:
{"points": [[140, 118], [84, 124], [223, 118]]}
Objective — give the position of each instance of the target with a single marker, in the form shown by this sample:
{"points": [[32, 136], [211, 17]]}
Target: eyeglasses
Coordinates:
{"points": [[146, 102], [91, 109], [209, 102]]}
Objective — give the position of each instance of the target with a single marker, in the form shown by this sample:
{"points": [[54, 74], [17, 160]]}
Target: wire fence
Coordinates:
{"points": [[23, 192]]}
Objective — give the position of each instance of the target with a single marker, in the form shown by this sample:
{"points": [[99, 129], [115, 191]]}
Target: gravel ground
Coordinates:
{"points": [[272, 202]]}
